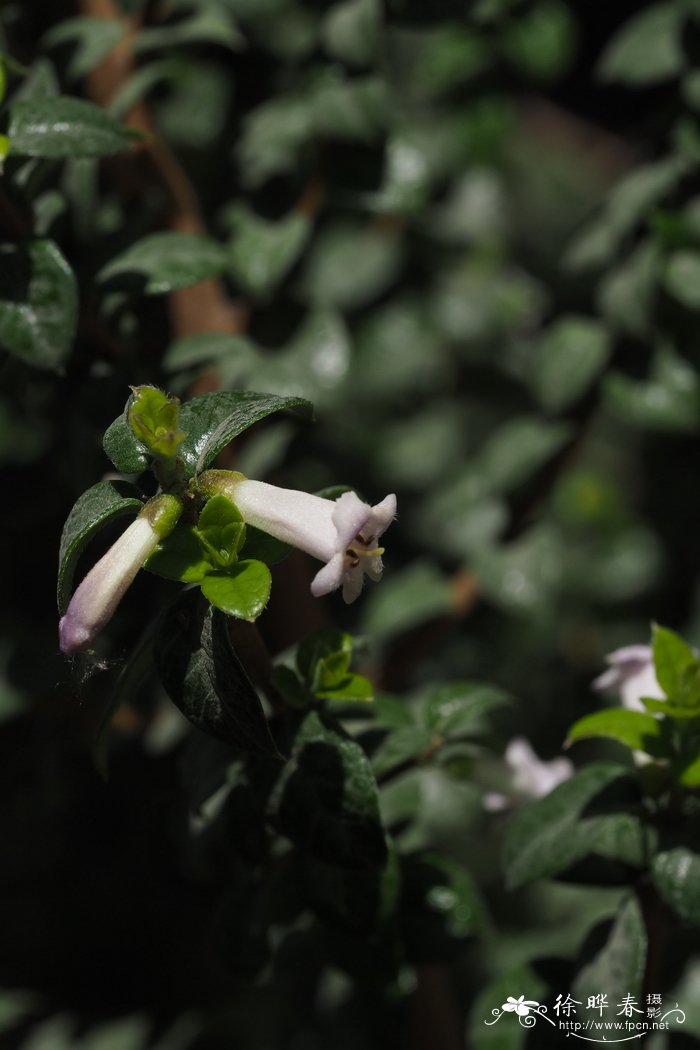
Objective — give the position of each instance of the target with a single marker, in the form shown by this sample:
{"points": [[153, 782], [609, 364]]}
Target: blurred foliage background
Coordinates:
{"points": [[470, 235]]}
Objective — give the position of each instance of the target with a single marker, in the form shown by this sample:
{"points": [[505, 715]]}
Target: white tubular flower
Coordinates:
{"points": [[527, 776], [99, 594], [631, 674], [344, 533]]}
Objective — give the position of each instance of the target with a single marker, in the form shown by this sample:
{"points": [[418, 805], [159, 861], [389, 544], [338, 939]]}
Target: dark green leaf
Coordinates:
{"points": [[128, 454], [212, 420], [326, 799], [93, 38], [212, 24], [259, 546], [164, 262], [65, 128], [402, 744], [262, 252], [517, 450], [440, 907], [575, 820], [676, 874], [683, 278], [633, 728], [351, 31], [38, 303], [619, 965], [205, 679], [406, 600], [242, 591], [670, 400], [569, 358], [350, 266], [101, 504], [463, 708], [204, 348]]}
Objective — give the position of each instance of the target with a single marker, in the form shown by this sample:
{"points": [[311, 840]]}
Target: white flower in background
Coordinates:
{"points": [[631, 674], [96, 599], [344, 533], [525, 776]]}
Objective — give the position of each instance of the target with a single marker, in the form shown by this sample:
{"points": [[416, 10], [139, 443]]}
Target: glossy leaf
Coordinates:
{"points": [[463, 708], [97, 507], [619, 966], [65, 128], [555, 833], [38, 303], [242, 591], [212, 420], [180, 556], [128, 454], [164, 262], [221, 531], [633, 728], [203, 676], [676, 874]]}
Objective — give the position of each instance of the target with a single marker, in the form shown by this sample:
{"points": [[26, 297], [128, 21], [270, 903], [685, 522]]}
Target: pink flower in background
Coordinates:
{"points": [[631, 674]]}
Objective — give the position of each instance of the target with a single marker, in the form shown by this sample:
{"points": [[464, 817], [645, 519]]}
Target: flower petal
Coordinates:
{"points": [[350, 516], [330, 577]]}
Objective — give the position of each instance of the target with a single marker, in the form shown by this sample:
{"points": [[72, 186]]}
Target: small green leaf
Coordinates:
{"points": [[205, 679], [164, 262], [221, 531], [350, 266], [92, 39], [65, 128], [262, 252], [676, 874], [633, 728], [260, 546], [243, 591], [100, 505], [38, 303], [673, 658], [647, 49], [669, 401], [204, 348], [571, 355], [329, 647], [665, 707], [290, 686], [463, 708], [553, 834], [153, 417], [351, 31], [351, 688], [687, 771], [180, 557]]}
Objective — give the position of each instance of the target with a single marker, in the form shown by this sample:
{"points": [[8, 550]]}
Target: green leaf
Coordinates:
{"points": [[401, 745], [350, 266], [261, 252], [555, 833], [153, 417], [542, 41], [326, 799], [352, 688], [568, 360], [221, 531], [669, 401], [38, 303], [92, 39], [164, 262], [676, 874], [213, 420], [647, 49], [128, 454], [517, 449], [440, 907], [204, 348], [633, 728], [351, 31], [619, 965], [212, 24], [328, 650], [405, 600], [261, 547], [463, 708], [180, 557], [627, 294], [673, 658], [243, 591], [100, 505], [205, 679], [683, 278], [65, 128]]}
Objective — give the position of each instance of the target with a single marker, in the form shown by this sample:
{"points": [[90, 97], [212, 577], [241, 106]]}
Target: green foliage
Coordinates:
{"points": [[676, 876], [38, 303], [64, 128], [164, 262], [153, 417]]}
